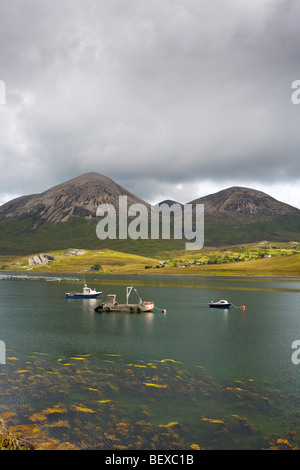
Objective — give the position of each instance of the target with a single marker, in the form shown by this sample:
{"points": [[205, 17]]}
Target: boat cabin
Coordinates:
{"points": [[86, 290], [111, 300]]}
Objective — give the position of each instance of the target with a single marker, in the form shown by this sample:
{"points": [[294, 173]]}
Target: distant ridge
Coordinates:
{"points": [[169, 202]]}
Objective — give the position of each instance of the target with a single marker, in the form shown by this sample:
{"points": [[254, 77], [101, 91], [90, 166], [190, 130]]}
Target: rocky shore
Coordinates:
{"points": [[10, 442]]}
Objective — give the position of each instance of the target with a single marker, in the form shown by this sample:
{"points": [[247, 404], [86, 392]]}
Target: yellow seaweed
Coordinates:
{"points": [[155, 385], [55, 409], [85, 410], [215, 421], [59, 424], [8, 415], [137, 365], [195, 447], [169, 425], [113, 355]]}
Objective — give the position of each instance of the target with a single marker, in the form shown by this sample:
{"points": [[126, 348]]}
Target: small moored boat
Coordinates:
{"points": [[219, 304], [87, 293], [111, 304]]}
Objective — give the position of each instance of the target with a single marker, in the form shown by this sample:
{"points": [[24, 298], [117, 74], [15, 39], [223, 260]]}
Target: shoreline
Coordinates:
{"points": [[90, 273]]}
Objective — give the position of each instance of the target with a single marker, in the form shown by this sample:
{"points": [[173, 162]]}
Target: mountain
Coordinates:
{"points": [[245, 205], [78, 196], [243, 215], [65, 217], [62, 217]]}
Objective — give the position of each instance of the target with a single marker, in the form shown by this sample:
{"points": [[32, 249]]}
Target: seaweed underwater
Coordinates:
{"points": [[104, 402]]}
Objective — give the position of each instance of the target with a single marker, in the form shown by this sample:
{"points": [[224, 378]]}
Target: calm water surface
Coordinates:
{"points": [[44, 331]]}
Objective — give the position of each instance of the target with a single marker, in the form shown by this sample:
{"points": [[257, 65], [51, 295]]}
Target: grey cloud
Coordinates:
{"points": [[153, 94]]}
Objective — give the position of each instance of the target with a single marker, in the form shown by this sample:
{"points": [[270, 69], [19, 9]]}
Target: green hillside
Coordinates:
{"points": [[17, 237]]}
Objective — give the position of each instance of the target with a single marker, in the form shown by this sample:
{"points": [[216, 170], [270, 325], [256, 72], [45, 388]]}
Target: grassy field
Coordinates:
{"points": [[262, 259], [66, 261], [286, 266]]}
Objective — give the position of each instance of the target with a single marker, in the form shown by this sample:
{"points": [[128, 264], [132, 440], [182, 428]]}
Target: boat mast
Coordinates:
{"points": [[128, 292]]}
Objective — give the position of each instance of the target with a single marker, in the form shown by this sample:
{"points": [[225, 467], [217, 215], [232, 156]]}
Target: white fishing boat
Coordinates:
{"points": [[219, 304], [111, 304], [87, 293]]}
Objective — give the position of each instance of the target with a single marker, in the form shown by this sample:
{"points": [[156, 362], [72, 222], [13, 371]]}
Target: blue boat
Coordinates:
{"points": [[87, 293]]}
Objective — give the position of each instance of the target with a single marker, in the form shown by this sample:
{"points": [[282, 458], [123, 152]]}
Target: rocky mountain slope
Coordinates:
{"points": [[245, 205], [79, 196]]}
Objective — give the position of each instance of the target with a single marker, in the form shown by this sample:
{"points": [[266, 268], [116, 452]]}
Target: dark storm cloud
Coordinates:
{"points": [[160, 95]]}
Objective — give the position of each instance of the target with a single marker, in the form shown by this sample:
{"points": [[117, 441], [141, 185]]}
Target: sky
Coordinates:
{"points": [[172, 99]]}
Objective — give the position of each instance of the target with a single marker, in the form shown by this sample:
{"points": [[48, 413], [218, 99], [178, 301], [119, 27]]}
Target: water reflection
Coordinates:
{"points": [[149, 319], [225, 315], [88, 305]]}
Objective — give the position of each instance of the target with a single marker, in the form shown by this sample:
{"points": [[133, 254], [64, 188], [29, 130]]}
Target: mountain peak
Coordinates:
{"points": [[245, 203], [78, 196]]}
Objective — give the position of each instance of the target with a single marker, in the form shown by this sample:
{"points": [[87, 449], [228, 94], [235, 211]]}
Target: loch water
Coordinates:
{"points": [[192, 377]]}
